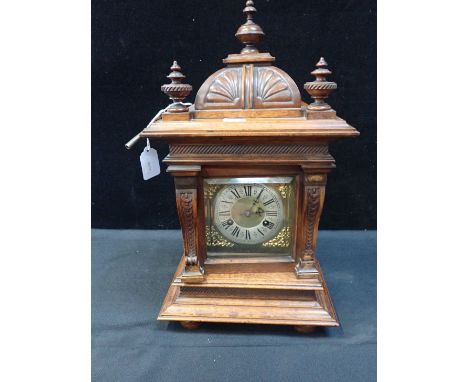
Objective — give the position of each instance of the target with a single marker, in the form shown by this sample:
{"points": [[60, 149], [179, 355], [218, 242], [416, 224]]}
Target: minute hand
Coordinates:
{"points": [[258, 196]]}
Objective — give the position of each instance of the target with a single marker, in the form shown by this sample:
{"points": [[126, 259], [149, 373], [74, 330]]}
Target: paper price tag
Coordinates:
{"points": [[149, 163]]}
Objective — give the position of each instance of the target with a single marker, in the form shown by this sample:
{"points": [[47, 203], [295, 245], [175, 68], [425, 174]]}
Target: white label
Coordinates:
{"points": [[149, 163], [234, 119]]}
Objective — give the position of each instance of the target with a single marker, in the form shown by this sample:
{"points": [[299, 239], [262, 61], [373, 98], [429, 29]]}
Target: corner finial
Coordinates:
{"points": [[249, 33], [320, 89], [176, 90]]}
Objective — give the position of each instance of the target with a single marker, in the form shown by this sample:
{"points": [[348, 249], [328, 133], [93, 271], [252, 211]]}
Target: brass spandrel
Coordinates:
{"points": [[285, 190], [282, 240], [215, 239], [210, 190]]}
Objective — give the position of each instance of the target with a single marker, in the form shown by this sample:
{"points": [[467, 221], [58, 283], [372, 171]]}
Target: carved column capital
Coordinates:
{"points": [[315, 179]]}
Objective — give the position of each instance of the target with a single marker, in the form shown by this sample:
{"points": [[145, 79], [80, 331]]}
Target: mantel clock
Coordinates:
{"points": [[250, 162]]}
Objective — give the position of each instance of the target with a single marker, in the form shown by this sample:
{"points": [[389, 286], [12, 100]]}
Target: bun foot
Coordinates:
{"points": [[305, 328], [190, 324]]}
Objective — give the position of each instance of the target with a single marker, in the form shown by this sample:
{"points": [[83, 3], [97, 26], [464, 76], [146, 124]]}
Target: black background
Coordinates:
{"points": [[133, 45]]}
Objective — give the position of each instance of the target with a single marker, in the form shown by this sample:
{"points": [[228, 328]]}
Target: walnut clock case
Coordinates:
{"points": [[250, 162]]}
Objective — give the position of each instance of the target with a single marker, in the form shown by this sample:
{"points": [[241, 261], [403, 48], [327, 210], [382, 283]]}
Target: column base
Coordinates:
{"points": [[306, 269]]}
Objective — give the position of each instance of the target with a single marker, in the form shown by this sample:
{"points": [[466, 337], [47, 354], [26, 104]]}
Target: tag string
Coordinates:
{"points": [[132, 141], [147, 145]]}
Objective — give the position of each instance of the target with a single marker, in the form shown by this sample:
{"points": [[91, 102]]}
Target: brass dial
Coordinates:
{"points": [[248, 214]]}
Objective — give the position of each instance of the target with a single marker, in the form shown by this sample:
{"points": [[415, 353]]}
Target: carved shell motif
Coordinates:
{"points": [[271, 87], [248, 87], [225, 88]]}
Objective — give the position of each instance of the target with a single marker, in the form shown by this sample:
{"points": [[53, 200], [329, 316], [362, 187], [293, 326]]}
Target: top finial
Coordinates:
{"points": [[250, 33], [249, 9]]}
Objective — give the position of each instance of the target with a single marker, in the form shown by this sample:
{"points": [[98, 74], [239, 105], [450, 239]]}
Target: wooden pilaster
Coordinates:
{"points": [[186, 183], [313, 197]]}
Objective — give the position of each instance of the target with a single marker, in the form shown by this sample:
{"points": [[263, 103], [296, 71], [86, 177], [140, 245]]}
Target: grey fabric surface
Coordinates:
{"points": [[131, 271]]}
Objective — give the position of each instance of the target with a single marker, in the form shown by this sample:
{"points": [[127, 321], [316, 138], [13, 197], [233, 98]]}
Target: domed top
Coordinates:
{"points": [[253, 86], [249, 81]]}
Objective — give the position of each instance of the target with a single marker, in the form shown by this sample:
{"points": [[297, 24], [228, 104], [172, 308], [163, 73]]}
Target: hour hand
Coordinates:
{"points": [[259, 211]]}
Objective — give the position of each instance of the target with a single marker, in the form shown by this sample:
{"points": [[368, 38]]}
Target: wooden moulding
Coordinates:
{"points": [[285, 300], [250, 265], [249, 58], [175, 116], [254, 113], [258, 130], [263, 154]]}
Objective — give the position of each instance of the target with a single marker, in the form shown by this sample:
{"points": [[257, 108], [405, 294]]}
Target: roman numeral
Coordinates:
{"points": [[235, 232], [224, 213], [225, 201], [268, 224], [227, 223], [247, 234], [235, 193], [271, 213], [258, 229], [248, 190], [268, 202]]}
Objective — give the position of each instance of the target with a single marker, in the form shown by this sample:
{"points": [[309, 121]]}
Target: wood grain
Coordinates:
{"points": [[248, 120], [227, 298]]}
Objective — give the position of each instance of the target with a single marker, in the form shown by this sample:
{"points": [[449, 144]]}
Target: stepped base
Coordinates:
{"points": [[256, 298]]}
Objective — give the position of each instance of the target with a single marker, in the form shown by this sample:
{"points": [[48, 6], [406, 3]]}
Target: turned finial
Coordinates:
{"points": [[320, 89], [176, 90], [249, 33]]}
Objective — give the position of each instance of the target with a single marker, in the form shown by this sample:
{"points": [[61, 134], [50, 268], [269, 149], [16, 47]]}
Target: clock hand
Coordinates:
{"points": [[258, 196]]}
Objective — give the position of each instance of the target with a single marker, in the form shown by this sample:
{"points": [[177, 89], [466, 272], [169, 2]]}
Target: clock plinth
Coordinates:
{"points": [[275, 298], [250, 163]]}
